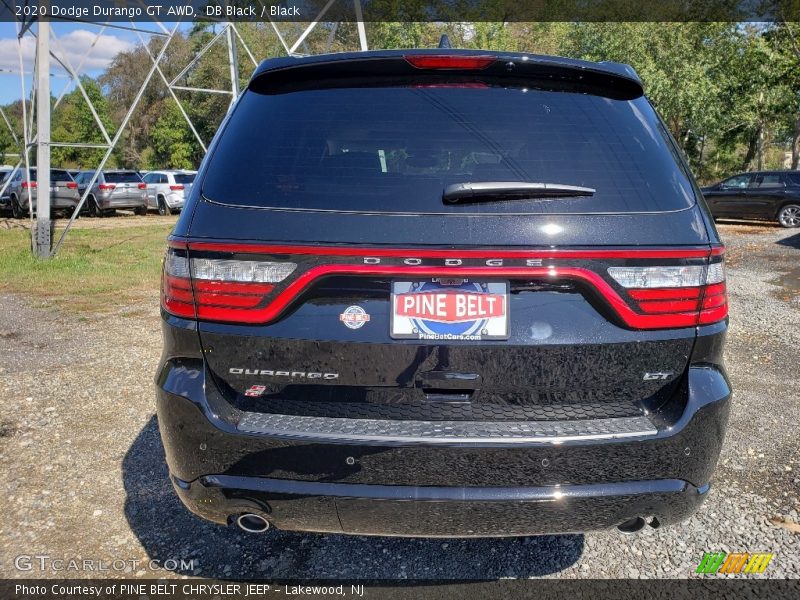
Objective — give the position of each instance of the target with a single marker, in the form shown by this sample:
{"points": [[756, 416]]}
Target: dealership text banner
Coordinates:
{"points": [[99, 11]]}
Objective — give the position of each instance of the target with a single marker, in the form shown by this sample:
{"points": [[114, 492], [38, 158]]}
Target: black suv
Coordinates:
{"points": [[443, 294], [770, 195]]}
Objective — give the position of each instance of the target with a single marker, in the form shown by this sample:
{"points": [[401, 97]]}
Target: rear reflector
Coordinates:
{"points": [[438, 61]]}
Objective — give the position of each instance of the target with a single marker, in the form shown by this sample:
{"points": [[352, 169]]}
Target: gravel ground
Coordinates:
{"points": [[85, 475]]}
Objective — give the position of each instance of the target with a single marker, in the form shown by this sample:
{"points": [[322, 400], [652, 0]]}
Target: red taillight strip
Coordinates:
{"points": [[665, 293], [714, 306], [697, 252], [713, 315], [228, 300], [176, 296], [712, 302], [232, 287], [284, 298], [668, 306]]}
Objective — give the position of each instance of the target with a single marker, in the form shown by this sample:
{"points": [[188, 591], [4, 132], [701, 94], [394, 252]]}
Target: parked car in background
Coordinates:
{"points": [[113, 190], [5, 196], [22, 193], [769, 195], [167, 190]]}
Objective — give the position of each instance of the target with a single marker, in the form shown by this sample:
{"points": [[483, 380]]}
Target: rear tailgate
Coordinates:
{"points": [[126, 186], [64, 190], [322, 343], [186, 180], [342, 208]]}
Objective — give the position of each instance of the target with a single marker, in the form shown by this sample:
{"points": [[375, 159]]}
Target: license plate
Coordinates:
{"points": [[449, 309]]}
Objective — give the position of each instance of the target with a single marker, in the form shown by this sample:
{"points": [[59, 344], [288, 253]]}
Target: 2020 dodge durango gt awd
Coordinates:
{"points": [[427, 294]]}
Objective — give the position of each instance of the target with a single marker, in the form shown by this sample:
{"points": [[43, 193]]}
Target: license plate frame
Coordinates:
{"points": [[488, 299]]}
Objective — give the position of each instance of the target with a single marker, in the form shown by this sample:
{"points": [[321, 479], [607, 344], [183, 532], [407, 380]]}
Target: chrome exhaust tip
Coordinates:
{"points": [[252, 523], [631, 526]]}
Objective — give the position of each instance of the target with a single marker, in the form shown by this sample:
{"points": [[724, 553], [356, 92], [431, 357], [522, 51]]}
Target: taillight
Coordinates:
{"points": [[106, 186], [250, 283], [29, 184], [176, 285], [71, 185], [219, 289], [177, 187], [440, 61], [142, 186], [677, 296]]}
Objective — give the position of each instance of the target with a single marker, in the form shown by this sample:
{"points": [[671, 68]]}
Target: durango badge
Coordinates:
{"points": [[354, 317]]}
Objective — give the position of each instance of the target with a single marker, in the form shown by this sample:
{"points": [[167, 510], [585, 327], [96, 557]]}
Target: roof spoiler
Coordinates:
{"points": [[285, 74]]}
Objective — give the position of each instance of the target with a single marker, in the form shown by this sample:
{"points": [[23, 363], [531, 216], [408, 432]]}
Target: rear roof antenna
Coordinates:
{"points": [[444, 42]]}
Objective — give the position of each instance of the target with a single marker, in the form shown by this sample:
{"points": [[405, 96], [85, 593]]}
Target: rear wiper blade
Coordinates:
{"points": [[487, 191]]}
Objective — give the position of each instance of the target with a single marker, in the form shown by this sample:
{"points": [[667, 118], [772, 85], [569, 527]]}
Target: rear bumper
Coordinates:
{"points": [[175, 200], [439, 511], [56, 202], [398, 484], [108, 203]]}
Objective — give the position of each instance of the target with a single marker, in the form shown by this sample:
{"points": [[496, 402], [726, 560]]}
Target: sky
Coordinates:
{"points": [[73, 41]]}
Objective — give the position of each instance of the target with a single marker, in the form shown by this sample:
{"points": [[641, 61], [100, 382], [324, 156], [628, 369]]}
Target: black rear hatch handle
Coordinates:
{"points": [[449, 380], [448, 386]]}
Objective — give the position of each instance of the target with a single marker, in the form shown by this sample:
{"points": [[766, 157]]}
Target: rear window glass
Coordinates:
{"points": [[394, 149], [55, 174], [127, 177], [184, 178], [794, 178]]}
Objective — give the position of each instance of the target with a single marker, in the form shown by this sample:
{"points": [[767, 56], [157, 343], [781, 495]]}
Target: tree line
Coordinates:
{"points": [[728, 92]]}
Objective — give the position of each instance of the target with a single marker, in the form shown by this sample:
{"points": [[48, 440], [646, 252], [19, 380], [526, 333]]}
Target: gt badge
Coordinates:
{"points": [[659, 375], [354, 317]]}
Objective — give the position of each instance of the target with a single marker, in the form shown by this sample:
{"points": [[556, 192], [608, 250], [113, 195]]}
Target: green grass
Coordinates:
{"points": [[95, 269]]}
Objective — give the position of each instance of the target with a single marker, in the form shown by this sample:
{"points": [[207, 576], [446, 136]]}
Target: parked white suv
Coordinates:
{"points": [[167, 190]]}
